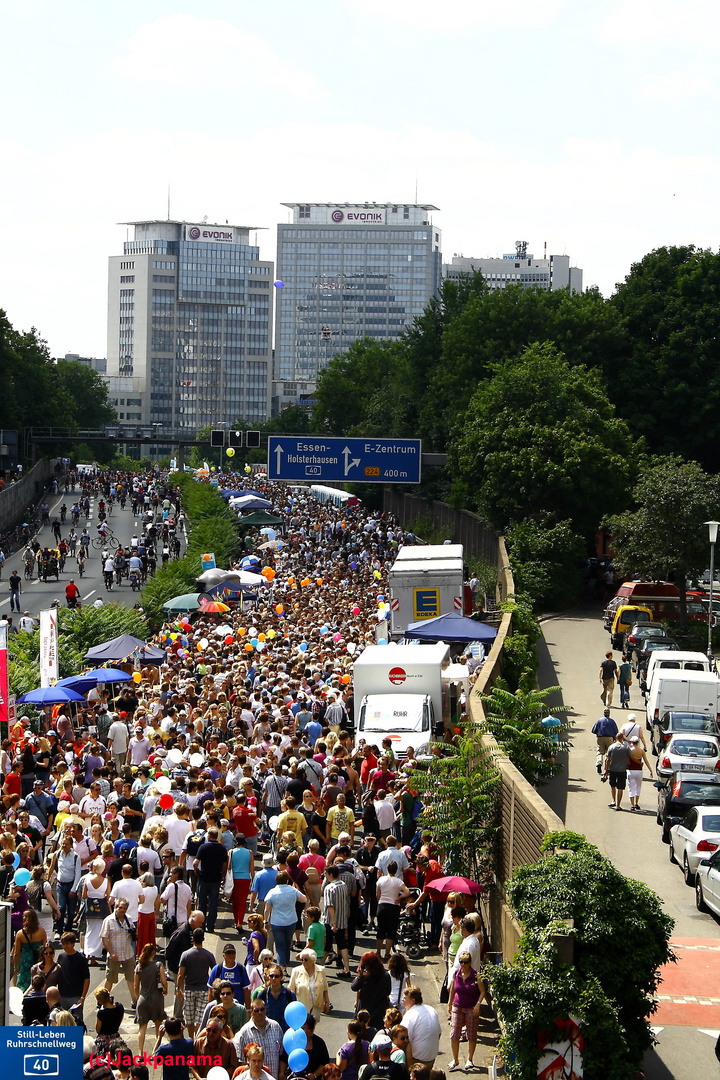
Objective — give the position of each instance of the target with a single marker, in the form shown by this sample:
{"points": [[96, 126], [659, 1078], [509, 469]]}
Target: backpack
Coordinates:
{"points": [[194, 840], [318, 711]]}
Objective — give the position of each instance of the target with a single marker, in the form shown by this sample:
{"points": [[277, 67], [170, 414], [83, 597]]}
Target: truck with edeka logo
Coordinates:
{"points": [[407, 693], [426, 581]]}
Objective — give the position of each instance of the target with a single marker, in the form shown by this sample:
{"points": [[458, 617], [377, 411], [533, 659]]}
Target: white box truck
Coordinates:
{"points": [[682, 690], [427, 581], [407, 693]]}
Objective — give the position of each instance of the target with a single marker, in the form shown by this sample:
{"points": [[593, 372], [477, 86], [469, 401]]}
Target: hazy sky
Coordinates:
{"points": [[591, 125]]}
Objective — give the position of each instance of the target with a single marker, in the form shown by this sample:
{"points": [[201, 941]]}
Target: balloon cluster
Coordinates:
{"points": [[295, 1039]]}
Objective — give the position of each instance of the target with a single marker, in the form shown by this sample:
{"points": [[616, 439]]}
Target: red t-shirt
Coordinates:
{"points": [[368, 764], [13, 782], [244, 820]]}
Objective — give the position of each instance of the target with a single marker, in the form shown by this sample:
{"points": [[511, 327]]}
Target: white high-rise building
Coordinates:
{"points": [[189, 325], [549, 273], [349, 271]]}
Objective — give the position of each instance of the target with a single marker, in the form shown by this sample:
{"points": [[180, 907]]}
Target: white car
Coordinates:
{"points": [[707, 884], [689, 753], [695, 838]]}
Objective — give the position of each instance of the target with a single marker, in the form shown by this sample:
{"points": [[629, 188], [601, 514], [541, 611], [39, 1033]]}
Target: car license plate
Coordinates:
{"points": [[687, 767]]}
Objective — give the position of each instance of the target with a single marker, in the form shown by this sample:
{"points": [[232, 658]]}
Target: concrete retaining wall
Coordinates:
{"points": [[15, 498]]}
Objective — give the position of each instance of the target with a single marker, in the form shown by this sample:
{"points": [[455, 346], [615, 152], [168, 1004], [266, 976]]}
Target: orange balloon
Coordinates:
{"points": [[248, 647], [290, 580], [319, 581], [297, 606], [305, 582], [346, 679], [279, 608], [242, 630], [294, 585], [261, 637]]}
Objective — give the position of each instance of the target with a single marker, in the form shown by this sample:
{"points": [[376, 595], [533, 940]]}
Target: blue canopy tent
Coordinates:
{"points": [[231, 590], [451, 627]]}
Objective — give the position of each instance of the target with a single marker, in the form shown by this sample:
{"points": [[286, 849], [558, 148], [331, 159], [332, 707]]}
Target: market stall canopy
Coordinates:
{"points": [[126, 647], [185, 602], [260, 517], [251, 502], [450, 627], [50, 695]]}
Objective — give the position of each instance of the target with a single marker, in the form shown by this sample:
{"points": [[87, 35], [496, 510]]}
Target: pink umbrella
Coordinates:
{"points": [[444, 885]]}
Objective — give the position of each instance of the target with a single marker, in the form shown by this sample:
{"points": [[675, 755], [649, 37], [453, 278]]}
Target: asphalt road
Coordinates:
{"points": [[688, 1018], [37, 594]]}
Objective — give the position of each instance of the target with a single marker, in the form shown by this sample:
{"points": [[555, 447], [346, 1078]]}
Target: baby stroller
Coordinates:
{"points": [[411, 931]]}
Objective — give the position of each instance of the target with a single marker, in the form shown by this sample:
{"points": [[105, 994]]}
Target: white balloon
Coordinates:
{"points": [[174, 755], [197, 760], [351, 647], [253, 631], [163, 784], [218, 1073], [15, 997], [273, 823]]}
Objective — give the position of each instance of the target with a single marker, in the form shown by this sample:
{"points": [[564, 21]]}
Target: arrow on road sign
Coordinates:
{"points": [[278, 454], [347, 454]]}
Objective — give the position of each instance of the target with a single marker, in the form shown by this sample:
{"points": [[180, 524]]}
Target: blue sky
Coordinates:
{"points": [[591, 126]]}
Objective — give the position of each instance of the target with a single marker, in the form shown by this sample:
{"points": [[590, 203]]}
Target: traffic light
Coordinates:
{"points": [[235, 438], [252, 439], [217, 437]]}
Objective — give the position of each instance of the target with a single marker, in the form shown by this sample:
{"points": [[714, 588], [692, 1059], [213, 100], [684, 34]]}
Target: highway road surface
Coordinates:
{"points": [[687, 1022]]}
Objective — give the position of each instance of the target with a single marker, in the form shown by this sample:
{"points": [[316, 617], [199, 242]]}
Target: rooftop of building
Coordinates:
{"points": [[368, 205], [205, 224]]}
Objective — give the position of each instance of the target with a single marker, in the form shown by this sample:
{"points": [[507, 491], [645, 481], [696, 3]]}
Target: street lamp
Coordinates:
{"points": [[713, 533]]}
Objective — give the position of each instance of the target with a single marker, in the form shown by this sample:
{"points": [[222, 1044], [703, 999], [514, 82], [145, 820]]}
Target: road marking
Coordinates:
{"points": [[688, 999], [91, 593], [712, 1032]]}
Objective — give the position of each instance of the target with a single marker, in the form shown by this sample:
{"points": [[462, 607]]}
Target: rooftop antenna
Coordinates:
{"points": [[168, 202], [416, 190]]}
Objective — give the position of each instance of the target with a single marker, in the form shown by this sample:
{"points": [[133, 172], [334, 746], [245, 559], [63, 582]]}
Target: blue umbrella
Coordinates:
{"points": [[77, 683], [49, 695], [106, 675]]}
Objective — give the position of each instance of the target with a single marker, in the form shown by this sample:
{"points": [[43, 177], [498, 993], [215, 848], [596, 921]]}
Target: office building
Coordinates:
{"points": [[348, 272], [189, 326], [95, 363], [549, 273]]}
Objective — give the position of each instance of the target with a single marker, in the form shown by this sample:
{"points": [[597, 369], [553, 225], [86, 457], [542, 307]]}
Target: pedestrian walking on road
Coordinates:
{"points": [[637, 759], [625, 681], [605, 729], [15, 590], [616, 765], [608, 678]]}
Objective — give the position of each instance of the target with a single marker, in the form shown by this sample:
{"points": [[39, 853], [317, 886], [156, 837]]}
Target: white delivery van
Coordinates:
{"points": [[407, 693], [667, 660], [425, 582], [682, 691]]}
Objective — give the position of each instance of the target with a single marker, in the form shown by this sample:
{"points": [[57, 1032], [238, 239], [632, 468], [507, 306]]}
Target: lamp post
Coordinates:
{"points": [[712, 532]]}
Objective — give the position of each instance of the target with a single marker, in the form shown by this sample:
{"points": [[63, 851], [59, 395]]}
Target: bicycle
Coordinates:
{"points": [[108, 541]]}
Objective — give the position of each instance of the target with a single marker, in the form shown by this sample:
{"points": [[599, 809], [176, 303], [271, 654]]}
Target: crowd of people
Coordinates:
{"points": [[223, 792]]}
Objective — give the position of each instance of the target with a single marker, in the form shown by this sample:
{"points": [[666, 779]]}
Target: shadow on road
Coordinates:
{"points": [[555, 792]]}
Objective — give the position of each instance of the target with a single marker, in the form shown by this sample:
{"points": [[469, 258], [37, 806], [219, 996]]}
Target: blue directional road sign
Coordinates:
{"points": [[315, 458]]}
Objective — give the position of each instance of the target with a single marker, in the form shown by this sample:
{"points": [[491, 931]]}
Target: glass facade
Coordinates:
{"points": [[343, 283], [207, 307]]}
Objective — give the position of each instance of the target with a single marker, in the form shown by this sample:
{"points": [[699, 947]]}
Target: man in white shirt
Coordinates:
{"points": [[423, 1027], [118, 738], [178, 825], [469, 944], [93, 803], [392, 853], [385, 814], [184, 897], [128, 888], [27, 623]]}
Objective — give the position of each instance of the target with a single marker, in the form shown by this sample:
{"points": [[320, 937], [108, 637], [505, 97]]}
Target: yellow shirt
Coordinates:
{"points": [[294, 822]]}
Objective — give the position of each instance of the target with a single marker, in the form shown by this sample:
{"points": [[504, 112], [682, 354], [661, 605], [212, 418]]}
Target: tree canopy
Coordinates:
{"points": [[540, 434]]}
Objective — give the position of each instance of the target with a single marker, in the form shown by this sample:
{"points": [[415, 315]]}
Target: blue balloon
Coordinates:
{"points": [[353, 566], [299, 1058], [254, 642], [21, 877], [382, 641], [294, 1040], [295, 1016], [303, 648], [16, 859], [279, 284]]}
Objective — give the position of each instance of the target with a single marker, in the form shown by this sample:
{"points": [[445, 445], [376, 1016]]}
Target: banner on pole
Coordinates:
{"points": [[4, 686], [48, 647]]}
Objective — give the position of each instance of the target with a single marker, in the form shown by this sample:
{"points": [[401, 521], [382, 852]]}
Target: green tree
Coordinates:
{"points": [[665, 537], [536, 989], [546, 558], [541, 434], [515, 721], [294, 420], [669, 386], [460, 804], [348, 385], [88, 391]]}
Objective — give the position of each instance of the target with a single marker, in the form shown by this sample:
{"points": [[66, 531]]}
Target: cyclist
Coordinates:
{"points": [[75, 513], [63, 513], [62, 553], [102, 529], [85, 542], [71, 594], [120, 564], [109, 572], [81, 561], [45, 511], [2, 560]]}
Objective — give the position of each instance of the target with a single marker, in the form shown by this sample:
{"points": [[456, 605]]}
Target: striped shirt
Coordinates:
{"points": [[270, 1039], [336, 896]]}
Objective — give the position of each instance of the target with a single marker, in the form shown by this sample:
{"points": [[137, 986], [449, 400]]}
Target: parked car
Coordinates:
{"points": [[689, 753], [641, 632], [626, 616], [694, 838], [707, 884], [678, 723], [641, 656], [683, 791]]}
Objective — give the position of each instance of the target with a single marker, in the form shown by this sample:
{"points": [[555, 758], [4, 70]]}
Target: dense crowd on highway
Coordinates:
{"points": [[223, 791]]}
